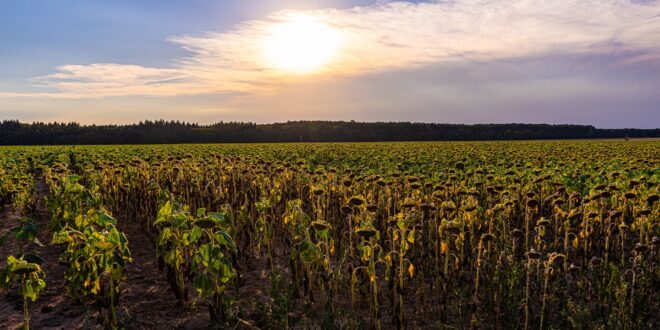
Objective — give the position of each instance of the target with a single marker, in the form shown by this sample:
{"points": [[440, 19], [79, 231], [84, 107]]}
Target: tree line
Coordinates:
{"points": [[13, 132]]}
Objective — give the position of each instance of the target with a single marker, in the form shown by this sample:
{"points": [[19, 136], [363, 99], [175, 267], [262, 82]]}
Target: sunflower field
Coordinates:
{"points": [[424, 235]]}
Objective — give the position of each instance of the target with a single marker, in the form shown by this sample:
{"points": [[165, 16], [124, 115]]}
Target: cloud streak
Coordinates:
{"points": [[380, 38]]}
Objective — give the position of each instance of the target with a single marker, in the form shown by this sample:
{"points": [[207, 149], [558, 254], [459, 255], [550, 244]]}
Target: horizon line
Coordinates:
{"points": [[144, 121]]}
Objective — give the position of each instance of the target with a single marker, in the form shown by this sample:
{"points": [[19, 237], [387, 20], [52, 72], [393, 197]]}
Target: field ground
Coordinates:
{"points": [[537, 234]]}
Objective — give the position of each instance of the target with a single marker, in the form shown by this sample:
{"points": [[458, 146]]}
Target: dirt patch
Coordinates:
{"points": [[146, 299]]}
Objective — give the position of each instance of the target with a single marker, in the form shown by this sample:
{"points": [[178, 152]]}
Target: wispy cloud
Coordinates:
{"points": [[108, 79], [382, 37]]}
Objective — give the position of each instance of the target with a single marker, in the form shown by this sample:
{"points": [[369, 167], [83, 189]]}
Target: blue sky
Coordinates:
{"points": [[459, 61]]}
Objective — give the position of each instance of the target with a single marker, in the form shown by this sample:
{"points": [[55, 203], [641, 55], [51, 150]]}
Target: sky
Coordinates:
{"points": [[593, 62]]}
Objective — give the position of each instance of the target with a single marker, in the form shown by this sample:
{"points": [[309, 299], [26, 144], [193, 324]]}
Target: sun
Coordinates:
{"points": [[302, 44]]}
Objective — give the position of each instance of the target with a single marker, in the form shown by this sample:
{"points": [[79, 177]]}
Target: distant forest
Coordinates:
{"points": [[13, 132]]}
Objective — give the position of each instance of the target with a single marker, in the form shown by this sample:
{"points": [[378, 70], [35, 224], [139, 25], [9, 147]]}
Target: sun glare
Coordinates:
{"points": [[302, 44]]}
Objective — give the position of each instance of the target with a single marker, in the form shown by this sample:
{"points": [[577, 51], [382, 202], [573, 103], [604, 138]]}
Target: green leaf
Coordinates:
{"points": [[113, 236], [195, 234], [411, 237], [29, 291], [169, 258], [164, 213], [105, 219], [219, 217], [225, 239], [226, 273], [203, 285]]}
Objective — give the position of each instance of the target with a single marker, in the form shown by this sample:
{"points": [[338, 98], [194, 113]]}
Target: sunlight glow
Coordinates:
{"points": [[302, 44]]}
